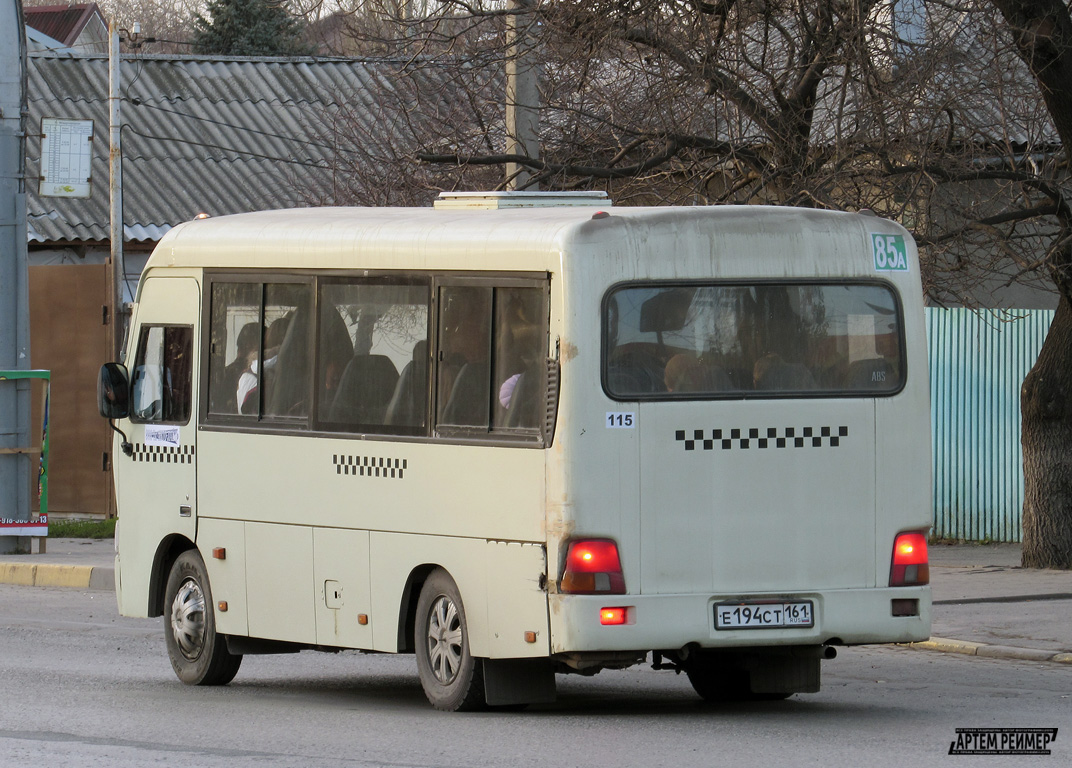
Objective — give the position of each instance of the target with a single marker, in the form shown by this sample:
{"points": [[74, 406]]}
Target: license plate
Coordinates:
{"points": [[764, 615]]}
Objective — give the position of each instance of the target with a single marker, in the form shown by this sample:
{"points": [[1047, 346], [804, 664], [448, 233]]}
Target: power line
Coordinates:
{"points": [[269, 134], [307, 163]]}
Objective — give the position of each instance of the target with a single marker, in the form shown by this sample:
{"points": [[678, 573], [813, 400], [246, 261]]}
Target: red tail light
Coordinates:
{"points": [[593, 567], [910, 566], [613, 616]]}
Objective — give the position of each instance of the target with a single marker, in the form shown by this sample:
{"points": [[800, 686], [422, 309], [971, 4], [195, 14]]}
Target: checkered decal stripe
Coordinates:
{"points": [[370, 466], [771, 437], [163, 454]]}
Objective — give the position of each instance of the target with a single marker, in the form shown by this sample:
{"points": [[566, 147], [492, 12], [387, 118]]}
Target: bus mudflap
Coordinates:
{"points": [[519, 681]]}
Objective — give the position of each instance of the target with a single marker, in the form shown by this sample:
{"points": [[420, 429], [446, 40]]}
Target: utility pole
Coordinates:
{"points": [[14, 286], [115, 191], [522, 94]]}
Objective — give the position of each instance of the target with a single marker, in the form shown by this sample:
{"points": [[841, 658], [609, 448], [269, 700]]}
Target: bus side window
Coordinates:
{"points": [[372, 343], [288, 358], [259, 354], [235, 342], [162, 377], [520, 349], [464, 351], [492, 358]]}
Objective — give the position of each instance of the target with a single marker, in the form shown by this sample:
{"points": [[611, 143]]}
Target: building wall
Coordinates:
{"points": [[67, 336]]}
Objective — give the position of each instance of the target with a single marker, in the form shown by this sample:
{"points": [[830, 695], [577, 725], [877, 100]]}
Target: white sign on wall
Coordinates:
{"points": [[66, 157]]}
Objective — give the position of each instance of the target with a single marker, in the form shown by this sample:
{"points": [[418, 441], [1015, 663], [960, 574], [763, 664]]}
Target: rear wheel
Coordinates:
{"points": [[452, 679], [198, 654]]}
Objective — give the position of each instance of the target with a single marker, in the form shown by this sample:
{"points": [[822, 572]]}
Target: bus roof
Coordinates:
{"points": [[511, 239]]}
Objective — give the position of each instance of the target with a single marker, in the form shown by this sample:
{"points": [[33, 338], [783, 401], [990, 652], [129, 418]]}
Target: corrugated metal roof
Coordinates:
{"points": [[61, 22], [201, 135]]}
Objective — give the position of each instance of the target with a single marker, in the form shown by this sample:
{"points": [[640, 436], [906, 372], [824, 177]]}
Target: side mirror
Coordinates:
{"points": [[113, 391]]}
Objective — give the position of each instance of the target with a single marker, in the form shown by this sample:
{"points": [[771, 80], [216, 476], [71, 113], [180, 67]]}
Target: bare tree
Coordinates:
{"points": [[917, 111], [1042, 33]]}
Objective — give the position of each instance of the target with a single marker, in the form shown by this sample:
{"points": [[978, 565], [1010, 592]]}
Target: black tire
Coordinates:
{"points": [[198, 654], [721, 685], [452, 679]]}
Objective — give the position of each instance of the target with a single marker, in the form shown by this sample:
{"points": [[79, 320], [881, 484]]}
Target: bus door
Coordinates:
{"points": [[157, 493]]}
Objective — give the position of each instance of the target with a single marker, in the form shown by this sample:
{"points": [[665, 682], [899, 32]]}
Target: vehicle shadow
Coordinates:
{"points": [[392, 684]]}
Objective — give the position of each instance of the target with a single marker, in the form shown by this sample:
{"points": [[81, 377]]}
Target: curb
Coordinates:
{"points": [[968, 648], [52, 575]]}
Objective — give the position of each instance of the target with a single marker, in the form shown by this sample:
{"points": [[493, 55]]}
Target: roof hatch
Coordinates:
{"points": [[490, 201]]}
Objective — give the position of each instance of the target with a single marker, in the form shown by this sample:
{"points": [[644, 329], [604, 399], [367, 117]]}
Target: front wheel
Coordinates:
{"points": [[452, 679], [198, 655]]}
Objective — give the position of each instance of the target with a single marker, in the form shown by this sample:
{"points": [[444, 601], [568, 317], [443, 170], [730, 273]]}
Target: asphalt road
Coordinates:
{"points": [[81, 686]]}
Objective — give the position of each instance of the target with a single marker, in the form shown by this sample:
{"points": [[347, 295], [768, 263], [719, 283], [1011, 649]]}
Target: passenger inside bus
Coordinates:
{"points": [[463, 373], [687, 373], [682, 373], [249, 383], [771, 372], [519, 353], [246, 345]]}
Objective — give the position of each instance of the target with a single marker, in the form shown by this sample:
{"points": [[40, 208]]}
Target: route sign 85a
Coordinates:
{"points": [[889, 252]]}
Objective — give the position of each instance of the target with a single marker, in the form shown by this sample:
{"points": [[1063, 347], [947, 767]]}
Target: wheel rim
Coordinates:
{"points": [[188, 619], [445, 640]]}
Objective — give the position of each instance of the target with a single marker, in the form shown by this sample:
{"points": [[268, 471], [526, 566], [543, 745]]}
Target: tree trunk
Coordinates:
{"points": [[1046, 436], [1042, 33]]}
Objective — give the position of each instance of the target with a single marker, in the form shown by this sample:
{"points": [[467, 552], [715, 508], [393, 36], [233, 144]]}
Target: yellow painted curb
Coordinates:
{"points": [[63, 576], [991, 651], [46, 575], [948, 646], [19, 574]]}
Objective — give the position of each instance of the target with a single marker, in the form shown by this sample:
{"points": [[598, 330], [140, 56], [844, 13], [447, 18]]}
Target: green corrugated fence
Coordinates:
{"points": [[978, 361]]}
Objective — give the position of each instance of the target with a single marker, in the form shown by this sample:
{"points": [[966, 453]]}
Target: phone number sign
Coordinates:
{"points": [[9, 527]]}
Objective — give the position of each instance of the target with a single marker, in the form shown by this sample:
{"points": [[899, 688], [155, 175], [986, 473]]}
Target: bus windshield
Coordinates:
{"points": [[710, 340]]}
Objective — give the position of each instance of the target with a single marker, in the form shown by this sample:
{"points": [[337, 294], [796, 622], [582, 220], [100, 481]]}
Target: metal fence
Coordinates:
{"points": [[978, 361]]}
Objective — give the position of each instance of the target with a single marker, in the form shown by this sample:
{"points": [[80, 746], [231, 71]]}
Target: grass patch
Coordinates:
{"points": [[81, 529]]}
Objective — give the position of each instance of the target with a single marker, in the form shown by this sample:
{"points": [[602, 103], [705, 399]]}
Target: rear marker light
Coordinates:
{"points": [[612, 616], [593, 567], [903, 607], [910, 566]]}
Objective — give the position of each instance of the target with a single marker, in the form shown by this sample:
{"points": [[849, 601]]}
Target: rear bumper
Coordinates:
{"points": [[668, 622]]}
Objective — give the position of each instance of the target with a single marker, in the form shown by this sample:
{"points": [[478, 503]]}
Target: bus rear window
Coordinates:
{"points": [[695, 341]]}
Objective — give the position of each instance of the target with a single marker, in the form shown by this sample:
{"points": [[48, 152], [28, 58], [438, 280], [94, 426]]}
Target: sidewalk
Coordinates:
{"points": [[985, 604]]}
